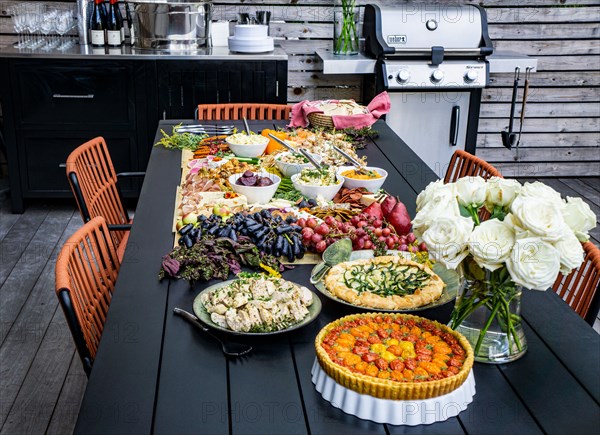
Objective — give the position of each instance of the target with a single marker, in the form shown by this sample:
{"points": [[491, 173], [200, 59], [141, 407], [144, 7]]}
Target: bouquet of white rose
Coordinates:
{"points": [[529, 236]]}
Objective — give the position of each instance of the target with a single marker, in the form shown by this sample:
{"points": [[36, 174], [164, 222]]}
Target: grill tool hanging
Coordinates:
{"points": [[509, 138], [523, 106]]}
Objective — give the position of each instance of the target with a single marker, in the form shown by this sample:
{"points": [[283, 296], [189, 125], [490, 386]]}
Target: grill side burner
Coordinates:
{"points": [[431, 60]]}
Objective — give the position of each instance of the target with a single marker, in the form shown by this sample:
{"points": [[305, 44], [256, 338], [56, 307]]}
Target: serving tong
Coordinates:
{"points": [[360, 168], [301, 151], [246, 125], [230, 349], [284, 143], [310, 158], [211, 130]]}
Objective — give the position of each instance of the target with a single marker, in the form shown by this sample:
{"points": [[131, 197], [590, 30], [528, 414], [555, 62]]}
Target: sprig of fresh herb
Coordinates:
{"points": [[180, 141]]}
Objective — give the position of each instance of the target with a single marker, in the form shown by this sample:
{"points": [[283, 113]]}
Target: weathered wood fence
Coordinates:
{"points": [[561, 133]]}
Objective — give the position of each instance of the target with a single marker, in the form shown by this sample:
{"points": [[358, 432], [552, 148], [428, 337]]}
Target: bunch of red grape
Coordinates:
{"points": [[366, 232]]}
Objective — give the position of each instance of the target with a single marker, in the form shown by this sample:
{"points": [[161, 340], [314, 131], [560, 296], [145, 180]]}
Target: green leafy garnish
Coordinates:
{"points": [[180, 141], [211, 258]]}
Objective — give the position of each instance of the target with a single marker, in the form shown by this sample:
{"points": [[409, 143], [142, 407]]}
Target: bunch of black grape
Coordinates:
{"points": [[271, 234]]}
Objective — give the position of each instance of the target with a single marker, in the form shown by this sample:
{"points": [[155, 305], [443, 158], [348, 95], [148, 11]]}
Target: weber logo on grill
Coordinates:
{"points": [[396, 39]]}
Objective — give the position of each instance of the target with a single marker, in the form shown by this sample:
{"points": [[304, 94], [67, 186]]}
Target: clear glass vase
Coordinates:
{"points": [[488, 313], [346, 28]]}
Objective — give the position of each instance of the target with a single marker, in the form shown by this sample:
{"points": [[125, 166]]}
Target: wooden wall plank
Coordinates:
{"points": [[558, 140], [545, 169], [549, 47], [542, 110], [544, 95], [563, 125], [297, 94], [544, 31], [569, 63], [554, 79], [547, 154], [305, 63], [317, 78], [304, 46], [543, 14]]}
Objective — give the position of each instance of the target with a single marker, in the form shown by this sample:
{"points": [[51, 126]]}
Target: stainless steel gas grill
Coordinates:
{"points": [[432, 61]]}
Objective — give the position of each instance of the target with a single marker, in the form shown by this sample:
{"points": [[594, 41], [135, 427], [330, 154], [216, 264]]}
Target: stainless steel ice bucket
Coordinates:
{"points": [[171, 24]]}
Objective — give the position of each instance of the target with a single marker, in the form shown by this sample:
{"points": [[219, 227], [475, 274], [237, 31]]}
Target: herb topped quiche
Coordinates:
{"points": [[387, 282], [394, 356]]}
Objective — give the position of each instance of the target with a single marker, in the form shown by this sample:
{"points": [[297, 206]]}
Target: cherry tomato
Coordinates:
{"points": [[381, 364], [370, 357], [397, 365], [410, 363]]}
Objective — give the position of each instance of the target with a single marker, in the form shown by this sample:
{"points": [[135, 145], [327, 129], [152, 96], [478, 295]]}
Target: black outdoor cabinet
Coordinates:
{"points": [[183, 85], [51, 106]]}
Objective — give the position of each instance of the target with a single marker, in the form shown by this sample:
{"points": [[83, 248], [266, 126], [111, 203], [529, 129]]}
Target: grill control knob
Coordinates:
{"points": [[403, 76], [436, 76], [471, 76]]}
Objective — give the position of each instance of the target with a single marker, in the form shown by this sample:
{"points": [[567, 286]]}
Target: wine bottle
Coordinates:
{"points": [[121, 20], [98, 23], [129, 23], [114, 24]]}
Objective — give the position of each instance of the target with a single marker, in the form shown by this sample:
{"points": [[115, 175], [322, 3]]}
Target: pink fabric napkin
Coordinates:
{"points": [[380, 105]]}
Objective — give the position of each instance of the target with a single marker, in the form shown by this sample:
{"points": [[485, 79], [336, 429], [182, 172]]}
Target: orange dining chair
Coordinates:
{"points": [[581, 288], [86, 270], [464, 164], [250, 111], [94, 184]]}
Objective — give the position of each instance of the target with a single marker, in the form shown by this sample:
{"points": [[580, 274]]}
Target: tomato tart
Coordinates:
{"points": [[394, 356], [388, 282]]}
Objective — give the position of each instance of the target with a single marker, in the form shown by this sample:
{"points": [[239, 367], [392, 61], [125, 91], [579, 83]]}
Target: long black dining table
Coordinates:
{"points": [[156, 373]]}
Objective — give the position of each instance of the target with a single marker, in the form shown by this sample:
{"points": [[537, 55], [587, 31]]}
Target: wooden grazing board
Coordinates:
{"points": [[186, 156]]}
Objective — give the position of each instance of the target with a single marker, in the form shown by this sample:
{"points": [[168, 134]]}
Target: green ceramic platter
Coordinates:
{"points": [[313, 311]]}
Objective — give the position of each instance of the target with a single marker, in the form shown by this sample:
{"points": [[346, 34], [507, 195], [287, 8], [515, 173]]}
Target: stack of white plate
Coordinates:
{"points": [[251, 38]]}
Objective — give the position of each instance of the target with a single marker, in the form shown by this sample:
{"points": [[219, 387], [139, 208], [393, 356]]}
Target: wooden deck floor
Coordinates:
{"points": [[41, 379]]}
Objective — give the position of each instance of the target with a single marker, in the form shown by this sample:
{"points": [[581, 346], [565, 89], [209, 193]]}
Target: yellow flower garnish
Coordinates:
{"points": [[272, 272]]}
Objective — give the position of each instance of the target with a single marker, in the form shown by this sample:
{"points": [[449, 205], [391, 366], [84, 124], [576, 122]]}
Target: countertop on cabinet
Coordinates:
{"points": [[500, 62], [128, 52]]}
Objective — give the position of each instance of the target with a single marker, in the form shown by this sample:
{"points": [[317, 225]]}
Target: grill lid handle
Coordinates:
{"points": [[437, 55]]}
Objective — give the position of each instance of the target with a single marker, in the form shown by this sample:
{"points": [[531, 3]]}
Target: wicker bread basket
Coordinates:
{"points": [[320, 121], [389, 389]]}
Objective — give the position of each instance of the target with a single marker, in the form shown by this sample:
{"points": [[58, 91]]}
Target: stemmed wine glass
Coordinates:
{"points": [[32, 23], [47, 26], [18, 20], [27, 25], [64, 23]]}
